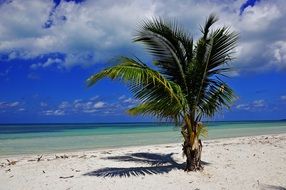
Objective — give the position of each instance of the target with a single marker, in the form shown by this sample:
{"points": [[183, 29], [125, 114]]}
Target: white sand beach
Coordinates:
{"points": [[257, 162]]}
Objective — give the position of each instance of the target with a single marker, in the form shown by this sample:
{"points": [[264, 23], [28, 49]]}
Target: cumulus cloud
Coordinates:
{"points": [[95, 31], [90, 31], [260, 17], [248, 3], [278, 51]]}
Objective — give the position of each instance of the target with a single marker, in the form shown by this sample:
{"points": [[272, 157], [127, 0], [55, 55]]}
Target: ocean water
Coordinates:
{"points": [[46, 138]]}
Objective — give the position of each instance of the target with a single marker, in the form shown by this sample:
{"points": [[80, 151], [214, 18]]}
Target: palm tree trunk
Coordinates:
{"points": [[193, 154], [192, 147]]}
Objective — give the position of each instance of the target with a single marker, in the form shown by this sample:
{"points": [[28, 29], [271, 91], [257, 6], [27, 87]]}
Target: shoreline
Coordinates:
{"points": [[122, 147], [254, 162]]}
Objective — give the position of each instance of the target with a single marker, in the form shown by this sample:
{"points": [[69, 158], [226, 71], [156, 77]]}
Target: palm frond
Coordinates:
{"points": [[170, 46], [202, 130], [212, 55], [217, 96], [211, 96], [147, 85], [156, 102], [135, 72], [209, 22], [224, 43], [161, 109]]}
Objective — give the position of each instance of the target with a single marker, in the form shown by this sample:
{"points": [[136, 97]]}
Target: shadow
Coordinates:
{"points": [[205, 163], [271, 187], [147, 158], [159, 164]]}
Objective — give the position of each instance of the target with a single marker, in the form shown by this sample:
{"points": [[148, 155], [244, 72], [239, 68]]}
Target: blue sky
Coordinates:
{"points": [[49, 48]]}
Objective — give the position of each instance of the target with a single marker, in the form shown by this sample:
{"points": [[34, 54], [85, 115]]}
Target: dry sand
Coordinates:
{"points": [[238, 163]]}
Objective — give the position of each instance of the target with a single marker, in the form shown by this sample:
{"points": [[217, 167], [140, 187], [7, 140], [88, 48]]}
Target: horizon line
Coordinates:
{"points": [[50, 123]]}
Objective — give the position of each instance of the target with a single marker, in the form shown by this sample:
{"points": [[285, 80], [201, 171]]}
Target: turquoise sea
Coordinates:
{"points": [[45, 138]]}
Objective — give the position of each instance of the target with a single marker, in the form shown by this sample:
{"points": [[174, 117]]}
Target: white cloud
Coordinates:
{"points": [[259, 103], [51, 61], [94, 98], [122, 97], [99, 105], [64, 105], [243, 107], [95, 31], [5, 105], [90, 111], [77, 106], [14, 104], [255, 105], [283, 97], [93, 105], [77, 101], [278, 51], [54, 112], [91, 30], [129, 100], [262, 14]]}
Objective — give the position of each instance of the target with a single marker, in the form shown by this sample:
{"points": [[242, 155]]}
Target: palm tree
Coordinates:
{"points": [[186, 84]]}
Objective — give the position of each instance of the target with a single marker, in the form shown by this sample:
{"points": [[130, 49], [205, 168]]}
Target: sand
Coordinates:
{"points": [[236, 163]]}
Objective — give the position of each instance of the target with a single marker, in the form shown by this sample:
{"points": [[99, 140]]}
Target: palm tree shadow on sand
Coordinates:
{"points": [[270, 187], [159, 164]]}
